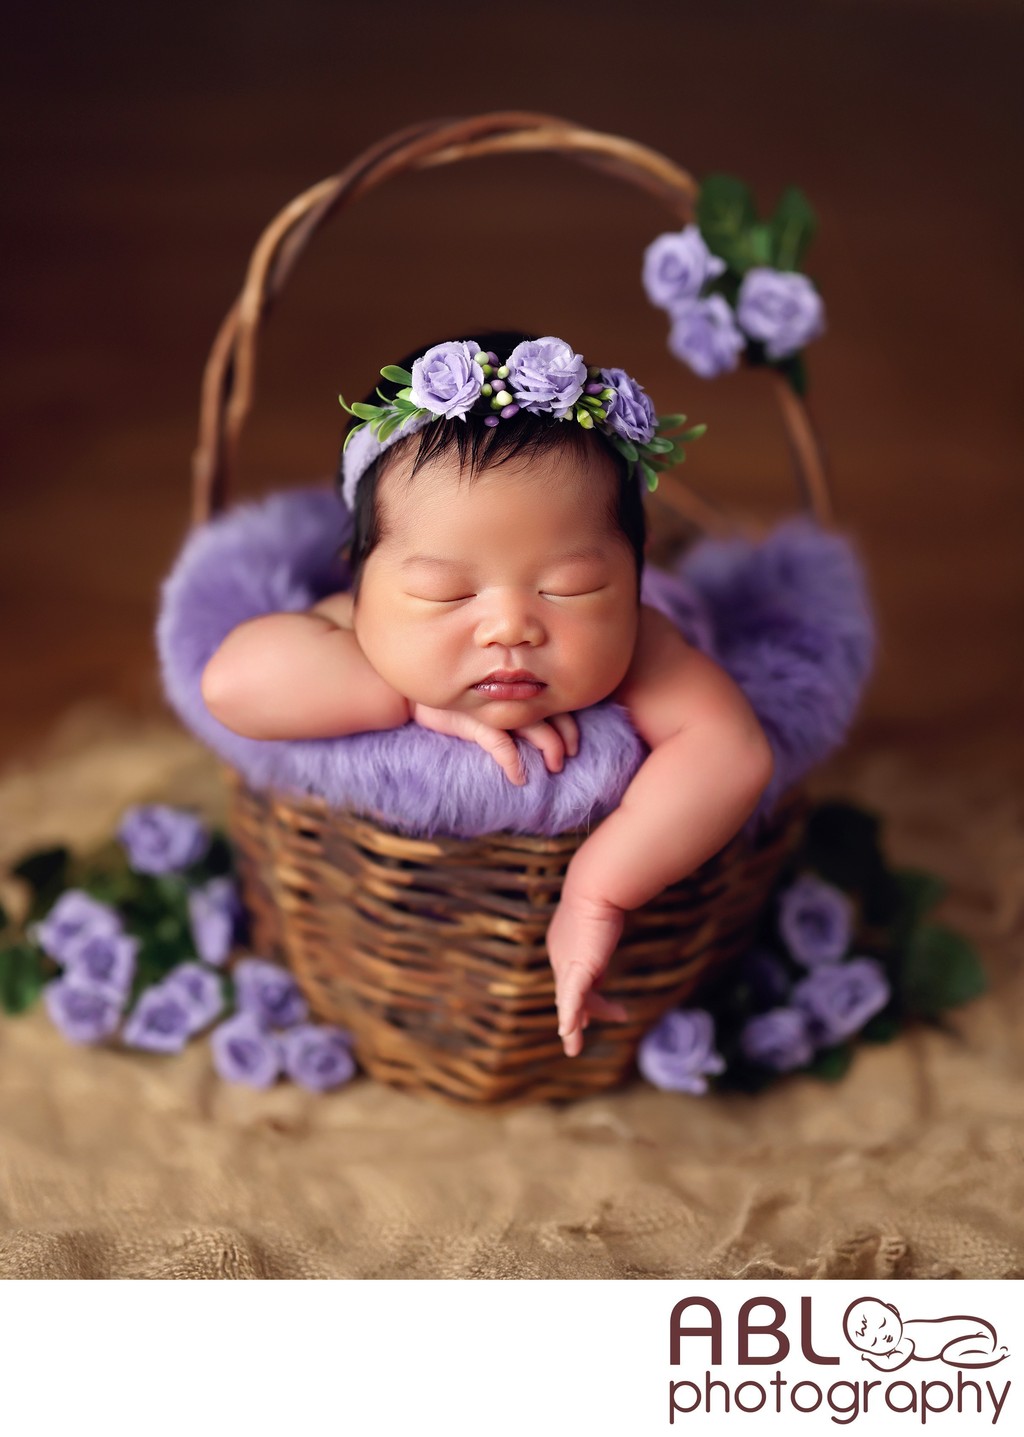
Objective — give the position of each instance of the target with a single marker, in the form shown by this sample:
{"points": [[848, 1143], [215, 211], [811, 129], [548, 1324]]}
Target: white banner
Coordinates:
{"points": [[629, 1358]]}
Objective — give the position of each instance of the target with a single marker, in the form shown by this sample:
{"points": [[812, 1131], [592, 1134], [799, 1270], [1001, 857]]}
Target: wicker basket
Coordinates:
{"points": [[432, 952]]}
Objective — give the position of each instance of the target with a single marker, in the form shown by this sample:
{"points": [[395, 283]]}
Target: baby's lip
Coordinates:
{"points": [[511, 676]]}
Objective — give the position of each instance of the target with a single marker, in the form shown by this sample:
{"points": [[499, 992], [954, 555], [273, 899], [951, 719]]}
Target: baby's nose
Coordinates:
{"points": [[510, 620]]}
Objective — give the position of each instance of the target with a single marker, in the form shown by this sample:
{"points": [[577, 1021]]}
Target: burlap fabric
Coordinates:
{"points": [[121, 1165]]}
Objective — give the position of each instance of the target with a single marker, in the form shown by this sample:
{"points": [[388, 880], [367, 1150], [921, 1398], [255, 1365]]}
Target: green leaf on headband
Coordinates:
{"points": [[694, 433], [793, 226], [348, 437], [404, 394], [725, 212], [626, 448], [649, 475], [389, 426], [396, 374], [366, 411], [671, 421], [659, 446]]}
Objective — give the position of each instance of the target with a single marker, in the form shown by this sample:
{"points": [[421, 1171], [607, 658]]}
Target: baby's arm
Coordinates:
{"points": [[709, 764], [300, 675]]}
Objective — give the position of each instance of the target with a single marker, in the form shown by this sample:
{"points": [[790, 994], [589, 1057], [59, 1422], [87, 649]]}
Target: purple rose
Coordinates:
{"points": [[213, 913], [200, 991], [630, 412], [767, 976], [839, 998], [705, 337], [317, 1057], [83, 1014], [676, 268], [778, 1039], [244, 1052], [546, 376], [269, 993], [677, 1052], [815, 920], [446, 381], [106, 963], [159, 1022], [159, 839], [782, 309], [73, 920]]}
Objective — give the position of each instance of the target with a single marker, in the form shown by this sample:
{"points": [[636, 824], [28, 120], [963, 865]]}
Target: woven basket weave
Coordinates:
{"points": [[432, 952]]}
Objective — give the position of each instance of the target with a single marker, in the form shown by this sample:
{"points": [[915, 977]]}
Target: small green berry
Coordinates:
{"points": [[503, 371], [480, 359]]}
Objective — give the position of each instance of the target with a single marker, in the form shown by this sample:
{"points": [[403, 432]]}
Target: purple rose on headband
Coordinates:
{"points": [[318, 1058], [244, 1052], [839, 998], [159, 839], [630, 412], [269, 993], [705, 337], [159, 1022], [73, 920], [781, 309], [679, 1051], [83, 1014], [199, 990], [778, 1039], [446, 381], [106, 962], [815, 920], [676, 268], [546, 376], [213, 913]]}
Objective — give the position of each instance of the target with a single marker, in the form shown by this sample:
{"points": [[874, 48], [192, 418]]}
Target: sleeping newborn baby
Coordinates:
{"points": [[496, 562]]}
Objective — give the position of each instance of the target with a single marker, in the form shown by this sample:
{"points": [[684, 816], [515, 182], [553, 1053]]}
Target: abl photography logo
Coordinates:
{"points": [[933, 1355]]}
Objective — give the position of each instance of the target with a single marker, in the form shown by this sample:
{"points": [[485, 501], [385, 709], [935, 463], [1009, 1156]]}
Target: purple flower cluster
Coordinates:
{"points": [[781, 309], [546, 376], [447, 380], [269, 1034], [829, 1005], [86, 938]]}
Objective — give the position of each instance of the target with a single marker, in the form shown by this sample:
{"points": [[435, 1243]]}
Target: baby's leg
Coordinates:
{"points": [[975, 1350]]}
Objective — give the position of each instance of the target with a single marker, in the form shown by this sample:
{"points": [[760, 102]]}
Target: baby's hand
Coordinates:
{"points": [[555, 737], [581, 938]]}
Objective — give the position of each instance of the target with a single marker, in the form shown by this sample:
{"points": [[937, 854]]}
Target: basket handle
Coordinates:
{"points": [[229, 376]]}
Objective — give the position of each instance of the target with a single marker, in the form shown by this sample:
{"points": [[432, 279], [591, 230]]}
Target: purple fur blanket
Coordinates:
{"points": [[789, 618]]}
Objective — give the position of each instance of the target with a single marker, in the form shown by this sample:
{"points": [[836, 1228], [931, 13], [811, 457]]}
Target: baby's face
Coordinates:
{"points": [[873, 1326], [476, 577]]}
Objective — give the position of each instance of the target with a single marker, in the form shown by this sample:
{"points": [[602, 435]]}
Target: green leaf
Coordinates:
{"points": [[831, 1063], [396, 374], [882, 1028], [626, 448], [941, 970], [725, 212], [368, 412], [793, 226], [22, 977], [348, 437], [670, 421], [659, 446], [759, 244], [389, 426], [649, 475], [690, 434]]}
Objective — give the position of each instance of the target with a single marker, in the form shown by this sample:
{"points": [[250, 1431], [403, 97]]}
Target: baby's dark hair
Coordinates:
{"points": [[481, 447]]}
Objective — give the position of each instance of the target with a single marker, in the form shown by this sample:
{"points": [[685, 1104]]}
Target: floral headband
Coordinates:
{"points": [[540, 376]]}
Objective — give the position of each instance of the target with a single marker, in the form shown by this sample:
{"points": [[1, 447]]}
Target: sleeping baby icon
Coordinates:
{"points": [[888, 1342]]}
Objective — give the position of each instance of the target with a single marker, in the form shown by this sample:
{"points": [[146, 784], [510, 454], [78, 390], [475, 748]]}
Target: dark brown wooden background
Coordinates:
{"points": [[147, 148]]}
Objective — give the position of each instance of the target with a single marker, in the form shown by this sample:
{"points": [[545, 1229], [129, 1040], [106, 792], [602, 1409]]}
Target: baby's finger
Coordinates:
{"points": [[568, 731], [601, 1007], [548, 740], [502, 748]]}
